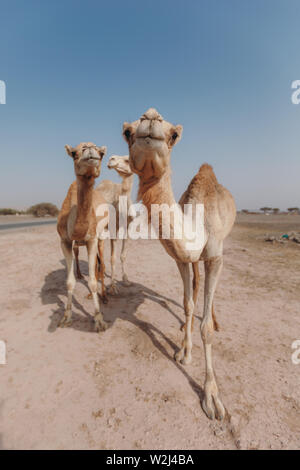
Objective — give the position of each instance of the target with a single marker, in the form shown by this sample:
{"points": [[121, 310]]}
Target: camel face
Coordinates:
{"points": [[120, 164], [150, 141], [87, 158]]}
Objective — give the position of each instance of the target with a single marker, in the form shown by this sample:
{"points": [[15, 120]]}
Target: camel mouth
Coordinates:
{"points": [[91, 158], [149, 137], [118, 169], [149, 142]]}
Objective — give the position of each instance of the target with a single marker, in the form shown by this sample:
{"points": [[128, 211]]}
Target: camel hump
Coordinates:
{"points": [[203, 184], [206, 172]]}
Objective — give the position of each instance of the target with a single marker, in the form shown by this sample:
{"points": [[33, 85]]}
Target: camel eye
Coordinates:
{"points": [[174, 136], [74, 154]]}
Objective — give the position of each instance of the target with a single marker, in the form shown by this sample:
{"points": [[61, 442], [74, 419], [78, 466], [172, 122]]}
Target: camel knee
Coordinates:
{"points": [[71, 284], [92, 285], [188, 307]]}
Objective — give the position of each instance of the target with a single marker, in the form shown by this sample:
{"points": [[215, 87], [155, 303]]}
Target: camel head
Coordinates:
{"points": [[87, 158], [120, 164], [150, 141]]}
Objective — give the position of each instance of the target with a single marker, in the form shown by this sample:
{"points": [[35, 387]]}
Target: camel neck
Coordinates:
{"points": [[85, 188], [157, 191], [126, 186]]}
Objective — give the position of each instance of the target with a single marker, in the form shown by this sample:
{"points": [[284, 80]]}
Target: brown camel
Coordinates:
{"points": [[83, 218], [112, 192], [150, 140]]}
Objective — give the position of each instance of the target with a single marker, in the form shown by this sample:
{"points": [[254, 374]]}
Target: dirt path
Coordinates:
{"points": [[73, 388]]}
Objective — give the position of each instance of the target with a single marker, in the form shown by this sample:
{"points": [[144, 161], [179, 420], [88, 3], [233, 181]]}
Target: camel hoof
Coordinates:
{"points": [[179, 355], [113, 290], [65, 322], [126, 281], [213, 407], [101, 326], [186, 360]]}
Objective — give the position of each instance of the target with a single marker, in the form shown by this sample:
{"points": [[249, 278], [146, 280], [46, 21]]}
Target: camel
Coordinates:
{"points": [[150, 141], [82, 218], [111, 192]]}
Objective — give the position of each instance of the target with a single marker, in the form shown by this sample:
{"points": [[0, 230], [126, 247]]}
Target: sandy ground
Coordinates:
{"points": [[121, 389]]}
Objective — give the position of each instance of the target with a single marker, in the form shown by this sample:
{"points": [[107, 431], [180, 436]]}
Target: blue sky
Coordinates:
{"points": [[75, 70]]}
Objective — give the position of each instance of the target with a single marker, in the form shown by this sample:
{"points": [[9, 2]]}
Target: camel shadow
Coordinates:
{"points": [[124, 305]]}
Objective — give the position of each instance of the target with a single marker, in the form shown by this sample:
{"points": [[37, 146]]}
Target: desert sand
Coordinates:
{"points": [[72, 388]]}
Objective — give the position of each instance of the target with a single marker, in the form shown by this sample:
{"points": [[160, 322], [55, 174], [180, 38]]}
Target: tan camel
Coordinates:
{"points": [[150, 140], [83, 217], [111, 192]]}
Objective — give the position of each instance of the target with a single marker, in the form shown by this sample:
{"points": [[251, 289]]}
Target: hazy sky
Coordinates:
{"points": [[75, 70]]}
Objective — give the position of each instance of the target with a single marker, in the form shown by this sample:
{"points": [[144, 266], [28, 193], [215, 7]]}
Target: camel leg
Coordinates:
{"points": [[71, 281], [113, 288], [211, 404], [92, 258], [123, 258], [102, 269], [185, 353], [76, 253], [196, 285]]}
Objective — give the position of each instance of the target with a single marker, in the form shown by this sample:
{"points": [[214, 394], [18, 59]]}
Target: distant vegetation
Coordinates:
{"points": [[9, 211], [265, 209], [44, 209], [273, 210]]}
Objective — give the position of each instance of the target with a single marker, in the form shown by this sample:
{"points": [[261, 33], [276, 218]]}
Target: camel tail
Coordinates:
{"points": [[216, 324], [98, 263]]}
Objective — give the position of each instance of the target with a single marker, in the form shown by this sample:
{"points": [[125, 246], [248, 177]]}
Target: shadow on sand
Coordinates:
{"points": [[124, 305]]}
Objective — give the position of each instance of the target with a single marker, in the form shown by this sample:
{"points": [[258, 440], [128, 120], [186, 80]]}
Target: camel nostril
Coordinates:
{"points": [[127, 134]]}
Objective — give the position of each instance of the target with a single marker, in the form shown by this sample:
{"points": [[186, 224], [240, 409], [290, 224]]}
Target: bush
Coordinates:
{"points": [[265, 209], [8, 211], [43, 209]]}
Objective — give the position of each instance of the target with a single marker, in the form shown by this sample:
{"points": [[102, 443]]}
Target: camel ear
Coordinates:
{"points": [[176, 133], [70, 151], [127, 131], [102, 151]]}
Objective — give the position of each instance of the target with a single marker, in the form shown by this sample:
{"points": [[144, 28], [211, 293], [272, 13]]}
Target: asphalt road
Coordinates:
{"points": [[18, 225]]}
